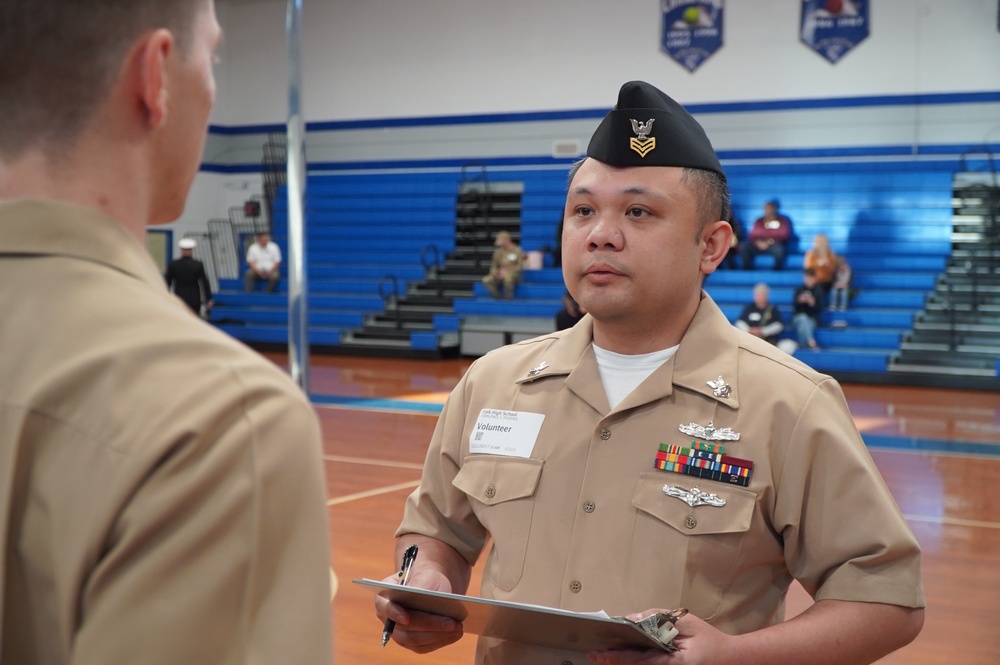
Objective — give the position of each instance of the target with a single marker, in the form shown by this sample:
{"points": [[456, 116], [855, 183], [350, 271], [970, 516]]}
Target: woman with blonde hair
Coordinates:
{"points": [[823, 262]]}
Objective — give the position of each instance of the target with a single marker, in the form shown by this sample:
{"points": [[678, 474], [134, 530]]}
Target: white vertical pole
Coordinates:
{"points": [[298, 309]]}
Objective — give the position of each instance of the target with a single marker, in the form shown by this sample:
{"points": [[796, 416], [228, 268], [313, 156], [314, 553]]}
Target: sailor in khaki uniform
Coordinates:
{"points": [[162, 498], [654, 456]]}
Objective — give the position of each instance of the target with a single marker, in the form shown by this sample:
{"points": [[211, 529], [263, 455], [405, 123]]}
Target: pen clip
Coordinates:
{"points": [[408, 557]]}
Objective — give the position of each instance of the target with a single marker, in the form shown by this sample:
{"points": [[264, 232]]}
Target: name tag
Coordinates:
{"points": [[510, 433]]}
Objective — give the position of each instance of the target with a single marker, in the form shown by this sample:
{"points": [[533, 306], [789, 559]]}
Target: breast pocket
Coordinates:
{"points": [[681, 555], [502, 492]]}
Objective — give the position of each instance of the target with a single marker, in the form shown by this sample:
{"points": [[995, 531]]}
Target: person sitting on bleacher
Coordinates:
{"points": [[768, 235], [570, 314], [506, 267], [264, 259], [761, 318], [841, 285], [734, 244], [806, 305], [823, 262]]}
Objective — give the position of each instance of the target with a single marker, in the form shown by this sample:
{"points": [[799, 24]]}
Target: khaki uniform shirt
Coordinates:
{"points": [[511, 260], [161, 487], [583, 523]]}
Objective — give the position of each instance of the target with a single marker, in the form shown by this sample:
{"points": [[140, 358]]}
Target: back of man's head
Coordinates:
{"points": [[59, 61]]}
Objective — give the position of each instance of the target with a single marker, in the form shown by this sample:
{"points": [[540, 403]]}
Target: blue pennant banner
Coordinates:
{"points": [[833, 27], [692, 31]]}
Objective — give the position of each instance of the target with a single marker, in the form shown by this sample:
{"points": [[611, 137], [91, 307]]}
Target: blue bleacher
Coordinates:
{"points": [[891, 221]]}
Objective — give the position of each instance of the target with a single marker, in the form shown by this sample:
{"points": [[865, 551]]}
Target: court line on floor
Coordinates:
{"points": [[370, 493], [377, 404], [951, 521], [373, 462]]}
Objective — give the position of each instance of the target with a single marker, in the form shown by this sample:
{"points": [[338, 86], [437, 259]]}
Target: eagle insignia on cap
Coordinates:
{"points": [[640, 143]]}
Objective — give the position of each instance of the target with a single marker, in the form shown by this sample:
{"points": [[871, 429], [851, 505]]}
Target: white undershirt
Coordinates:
{"points": [[621, 374]]}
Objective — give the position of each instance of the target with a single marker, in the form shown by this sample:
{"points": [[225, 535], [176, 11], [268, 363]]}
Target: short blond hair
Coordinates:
{"points": [[59, 60]]}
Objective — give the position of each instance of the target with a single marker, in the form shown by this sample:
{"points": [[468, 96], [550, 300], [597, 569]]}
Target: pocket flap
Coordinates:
{"points": [[734, 517], [493, 479]]}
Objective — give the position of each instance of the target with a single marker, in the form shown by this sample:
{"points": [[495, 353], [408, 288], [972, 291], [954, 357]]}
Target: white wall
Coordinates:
{"points": [[403, 58], [375, 59]]}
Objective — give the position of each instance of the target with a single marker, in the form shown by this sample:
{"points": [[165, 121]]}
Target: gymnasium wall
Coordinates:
{"points": [[439, 83]]}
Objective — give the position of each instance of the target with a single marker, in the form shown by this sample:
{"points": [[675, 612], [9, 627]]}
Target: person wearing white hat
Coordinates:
{"points": [[187, 278]]}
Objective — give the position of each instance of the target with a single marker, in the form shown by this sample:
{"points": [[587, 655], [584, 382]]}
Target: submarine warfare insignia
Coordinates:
{"points": [[538, 369], [709, 433], [642, 145], [694, 497], [720, 388]]}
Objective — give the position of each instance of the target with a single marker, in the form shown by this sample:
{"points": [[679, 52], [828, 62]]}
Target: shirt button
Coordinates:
{"points": [[491, 491], [605, 434], [690, 522], [575, 586], [589, 506]]}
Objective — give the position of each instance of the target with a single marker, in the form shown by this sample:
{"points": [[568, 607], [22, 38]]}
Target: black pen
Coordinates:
{"points": [[404, 573]]}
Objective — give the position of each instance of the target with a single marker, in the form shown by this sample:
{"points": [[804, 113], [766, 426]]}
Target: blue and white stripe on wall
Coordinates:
{"points": [[941, 126]]}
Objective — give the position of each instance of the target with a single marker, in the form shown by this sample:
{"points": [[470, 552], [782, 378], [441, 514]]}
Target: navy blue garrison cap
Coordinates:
{"points": [[648, 128]]}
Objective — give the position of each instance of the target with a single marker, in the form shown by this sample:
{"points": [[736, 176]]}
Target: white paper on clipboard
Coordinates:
{"points": [[528, 624]]}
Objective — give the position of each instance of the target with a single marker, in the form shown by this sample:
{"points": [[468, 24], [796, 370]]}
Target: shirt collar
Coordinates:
{"points": [[31, 227], [708, 351]]}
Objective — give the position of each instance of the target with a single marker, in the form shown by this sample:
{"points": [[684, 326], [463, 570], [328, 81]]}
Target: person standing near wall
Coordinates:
{"points": [[186, 276], [162, 497]]}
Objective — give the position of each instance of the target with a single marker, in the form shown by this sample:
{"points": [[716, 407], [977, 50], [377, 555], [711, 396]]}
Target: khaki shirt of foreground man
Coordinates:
{"points": [[551, 446], [161, 486], [626, 546]]}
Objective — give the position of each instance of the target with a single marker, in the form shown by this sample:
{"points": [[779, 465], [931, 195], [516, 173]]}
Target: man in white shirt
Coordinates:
{"points": [[264, 259]]}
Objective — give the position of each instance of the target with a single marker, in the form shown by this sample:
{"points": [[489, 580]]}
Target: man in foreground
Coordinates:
{"points": [[161, 485], [568, 450]]}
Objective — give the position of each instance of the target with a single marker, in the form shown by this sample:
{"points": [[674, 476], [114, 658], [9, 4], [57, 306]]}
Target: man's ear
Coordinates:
{"points": [[151, 60], [716, 238]]}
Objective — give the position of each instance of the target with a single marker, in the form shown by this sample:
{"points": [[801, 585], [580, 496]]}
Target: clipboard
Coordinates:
{"points": [[527, 624]]}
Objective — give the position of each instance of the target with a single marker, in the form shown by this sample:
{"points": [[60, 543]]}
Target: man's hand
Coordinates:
{"points": [[438, 567], [699, 644], [830, 632], [420, 632]]}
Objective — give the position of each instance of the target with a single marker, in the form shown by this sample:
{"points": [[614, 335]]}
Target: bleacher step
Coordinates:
{"points": [[941, 370], [350, 339]]}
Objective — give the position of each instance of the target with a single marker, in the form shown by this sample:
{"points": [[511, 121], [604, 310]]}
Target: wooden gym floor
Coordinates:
{"points": [[939, 451]]}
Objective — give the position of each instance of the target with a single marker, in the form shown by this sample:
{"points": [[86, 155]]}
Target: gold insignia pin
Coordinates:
{"points": [[641, 143]]}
